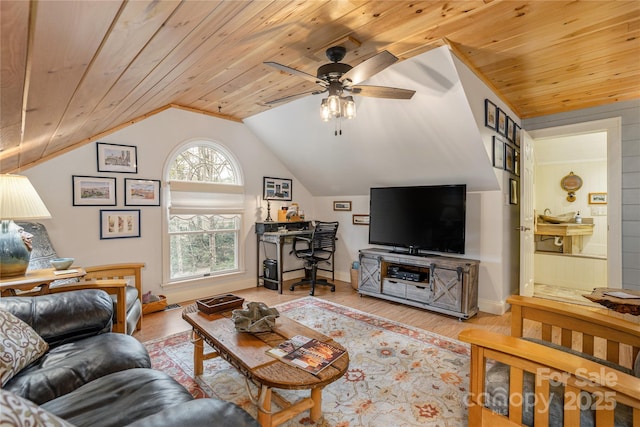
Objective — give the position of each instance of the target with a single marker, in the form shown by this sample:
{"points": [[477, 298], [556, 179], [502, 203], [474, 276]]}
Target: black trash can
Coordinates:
{"points": [[270, 271]]}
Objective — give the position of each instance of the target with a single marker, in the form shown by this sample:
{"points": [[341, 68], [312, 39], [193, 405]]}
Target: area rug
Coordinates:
{"points": [[398, 375]]}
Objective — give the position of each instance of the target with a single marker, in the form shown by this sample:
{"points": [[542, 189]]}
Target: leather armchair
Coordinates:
{"points": [[94, 378], [77, 326]]}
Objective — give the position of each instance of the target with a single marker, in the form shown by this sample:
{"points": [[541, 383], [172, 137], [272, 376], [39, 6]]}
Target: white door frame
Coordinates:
{"points": [[527, 215], [614, 184]]}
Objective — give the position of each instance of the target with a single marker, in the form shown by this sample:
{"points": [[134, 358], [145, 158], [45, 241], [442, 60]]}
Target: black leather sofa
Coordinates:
{"points": [[93, 377]]}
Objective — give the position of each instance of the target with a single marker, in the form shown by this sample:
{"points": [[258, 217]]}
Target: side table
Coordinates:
{"points": [[37, 278], [621, 305]]}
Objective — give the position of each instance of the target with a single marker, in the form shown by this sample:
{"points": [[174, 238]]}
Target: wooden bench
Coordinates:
{"points": [[568, 326]]}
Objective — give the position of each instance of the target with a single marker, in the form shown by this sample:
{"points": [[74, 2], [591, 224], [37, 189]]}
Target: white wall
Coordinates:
{"points": [[75, 232], [499, 242]]}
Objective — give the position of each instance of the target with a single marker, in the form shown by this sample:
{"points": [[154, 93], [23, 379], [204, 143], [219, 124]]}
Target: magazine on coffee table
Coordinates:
{"points": [[306, 353]]}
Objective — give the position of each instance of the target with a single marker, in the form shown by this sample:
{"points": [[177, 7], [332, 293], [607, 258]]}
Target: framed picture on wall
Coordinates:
{"points": [[119, 224], [511, 129], [513, 191], [341, 206], [490, 114], [276, 188], [509, 159], [597, 198], [498, 152], [360, 219], [117, 158], [93, 190], [141, 192], [502, 123], [516, 135]]}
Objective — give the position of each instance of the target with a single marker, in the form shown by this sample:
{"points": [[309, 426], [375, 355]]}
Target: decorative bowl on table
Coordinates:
{"points": [[61, 263]]}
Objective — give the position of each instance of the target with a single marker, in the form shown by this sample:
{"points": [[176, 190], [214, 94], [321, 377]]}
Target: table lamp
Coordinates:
{"points": [[18, 201]]}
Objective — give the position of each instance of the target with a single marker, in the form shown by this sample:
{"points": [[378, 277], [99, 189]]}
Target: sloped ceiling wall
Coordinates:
{"points": [[430, 139]]}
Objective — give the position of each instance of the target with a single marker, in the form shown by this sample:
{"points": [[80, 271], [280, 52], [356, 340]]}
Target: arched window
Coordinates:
{"points": [[204, 212]]}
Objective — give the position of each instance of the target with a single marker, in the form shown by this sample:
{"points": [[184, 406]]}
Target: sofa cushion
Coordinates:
{"points": [[19, 412], [64, 317], [200, 412], [20, 346], [69, 366], [119, 399]]}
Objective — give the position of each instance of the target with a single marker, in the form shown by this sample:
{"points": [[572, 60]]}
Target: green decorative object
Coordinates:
{"points": [[18, 201]]}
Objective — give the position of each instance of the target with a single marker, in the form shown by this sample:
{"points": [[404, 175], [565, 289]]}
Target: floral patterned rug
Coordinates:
{"points": [[398, 375]]}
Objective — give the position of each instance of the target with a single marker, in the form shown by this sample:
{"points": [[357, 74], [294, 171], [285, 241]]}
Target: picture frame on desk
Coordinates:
{"points": [[277, 188]]}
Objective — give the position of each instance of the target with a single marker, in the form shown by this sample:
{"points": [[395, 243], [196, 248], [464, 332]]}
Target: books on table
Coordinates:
{"points": [[306, 353]]}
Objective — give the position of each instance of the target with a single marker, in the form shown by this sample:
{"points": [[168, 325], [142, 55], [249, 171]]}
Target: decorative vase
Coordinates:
{"points": [[14, 250]]}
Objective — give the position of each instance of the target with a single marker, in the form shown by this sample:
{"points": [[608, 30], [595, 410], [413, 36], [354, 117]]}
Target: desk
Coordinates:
{"points": [[37, 278], [268, 233]]}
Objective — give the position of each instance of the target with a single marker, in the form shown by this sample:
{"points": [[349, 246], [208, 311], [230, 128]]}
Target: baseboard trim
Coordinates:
{"points": [[493, 307]]}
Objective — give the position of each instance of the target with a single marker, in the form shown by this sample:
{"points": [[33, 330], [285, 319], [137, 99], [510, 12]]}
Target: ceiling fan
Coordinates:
{"points": [[342, 80]]}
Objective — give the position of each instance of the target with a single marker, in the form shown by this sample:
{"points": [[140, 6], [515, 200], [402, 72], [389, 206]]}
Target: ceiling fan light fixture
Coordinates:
{"points": [[333, 102], [348, 107], [325, 114]]}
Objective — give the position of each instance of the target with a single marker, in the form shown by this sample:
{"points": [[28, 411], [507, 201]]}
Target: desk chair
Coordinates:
{"points": [[318, 248]]}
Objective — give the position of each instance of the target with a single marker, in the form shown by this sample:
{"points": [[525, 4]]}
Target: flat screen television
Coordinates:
{"points": [[419, 218]]}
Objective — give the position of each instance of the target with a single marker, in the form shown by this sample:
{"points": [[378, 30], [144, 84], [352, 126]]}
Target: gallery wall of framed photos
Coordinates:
{"points": [[505, 144], [103, 191]]}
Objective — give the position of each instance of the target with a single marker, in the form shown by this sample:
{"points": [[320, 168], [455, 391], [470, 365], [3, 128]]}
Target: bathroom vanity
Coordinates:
{"points": [[570, 232]]}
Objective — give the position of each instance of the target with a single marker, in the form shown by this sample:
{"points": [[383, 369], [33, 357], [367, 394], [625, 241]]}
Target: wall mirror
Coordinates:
{"points": [[571, 183]]}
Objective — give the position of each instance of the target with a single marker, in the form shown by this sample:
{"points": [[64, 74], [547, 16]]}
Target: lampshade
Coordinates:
{"points": [[19, 200]]}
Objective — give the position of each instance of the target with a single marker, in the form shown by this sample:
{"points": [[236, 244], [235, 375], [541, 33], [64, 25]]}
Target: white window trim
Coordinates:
{"points": [[237, 188]]}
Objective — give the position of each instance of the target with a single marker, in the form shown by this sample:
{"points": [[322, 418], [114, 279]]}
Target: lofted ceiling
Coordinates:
{"points": [[74, 71]]}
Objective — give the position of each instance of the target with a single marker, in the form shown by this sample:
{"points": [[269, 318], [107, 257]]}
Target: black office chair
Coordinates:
{"points": [[318, 248]]}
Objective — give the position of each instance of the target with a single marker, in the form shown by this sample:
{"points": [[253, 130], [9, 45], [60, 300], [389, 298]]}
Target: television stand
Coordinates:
{"points": [[438, 283]]}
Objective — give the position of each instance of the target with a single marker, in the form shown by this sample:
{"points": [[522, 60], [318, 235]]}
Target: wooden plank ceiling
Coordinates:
{"points": [[75, 70]]}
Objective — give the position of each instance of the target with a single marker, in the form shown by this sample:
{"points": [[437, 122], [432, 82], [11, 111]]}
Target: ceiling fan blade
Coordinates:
{"points": [[292, 97], [369, 68], [382, 92], [295, 72]]}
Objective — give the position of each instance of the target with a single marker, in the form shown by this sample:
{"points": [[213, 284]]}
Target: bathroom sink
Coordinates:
{"points": [[558, 219]]}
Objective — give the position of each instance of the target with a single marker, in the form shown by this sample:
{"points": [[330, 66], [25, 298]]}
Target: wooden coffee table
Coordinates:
{"points": [[247, 353]]}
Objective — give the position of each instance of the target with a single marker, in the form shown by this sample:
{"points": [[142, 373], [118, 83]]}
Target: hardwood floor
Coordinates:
{"points": [[157, 325]]}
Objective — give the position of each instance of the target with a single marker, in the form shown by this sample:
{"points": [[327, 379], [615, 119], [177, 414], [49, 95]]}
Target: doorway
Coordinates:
{"points": [[577, 148]]}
